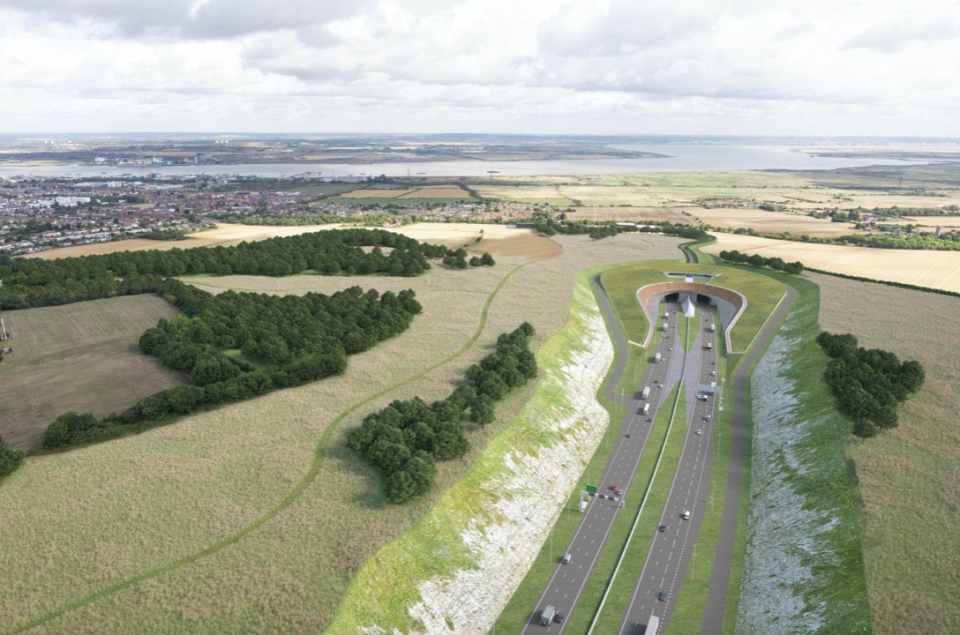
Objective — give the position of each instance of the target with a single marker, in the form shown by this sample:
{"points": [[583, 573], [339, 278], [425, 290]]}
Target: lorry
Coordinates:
{"points": [[546, 615], [653, 625], [657, 357], [645, 393], [646, 409]]}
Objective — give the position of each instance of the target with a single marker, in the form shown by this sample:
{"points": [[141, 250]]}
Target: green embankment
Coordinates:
{"points": [[388, 584]]}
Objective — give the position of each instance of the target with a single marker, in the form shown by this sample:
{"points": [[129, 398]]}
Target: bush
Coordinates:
{"points": [[68, 428], [10, 459]]}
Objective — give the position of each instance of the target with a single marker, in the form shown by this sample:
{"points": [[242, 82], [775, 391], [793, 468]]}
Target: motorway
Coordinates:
{"points": [[568, 580], [672, 547]]}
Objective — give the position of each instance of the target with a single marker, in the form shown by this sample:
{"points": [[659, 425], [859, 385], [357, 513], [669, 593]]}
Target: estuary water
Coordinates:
{"points": [[679, 157]]}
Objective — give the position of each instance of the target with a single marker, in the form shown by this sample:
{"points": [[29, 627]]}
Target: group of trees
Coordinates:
{"points": [[546, 225], [10, 459], [869, 384], [298, 339], [756, 260], [405, 439], [33, 283], [458, 259]]}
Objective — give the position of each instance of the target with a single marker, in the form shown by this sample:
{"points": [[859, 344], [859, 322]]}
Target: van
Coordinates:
{"points": [[546, 616], [567, 558], [685, 515], [646, 408]]}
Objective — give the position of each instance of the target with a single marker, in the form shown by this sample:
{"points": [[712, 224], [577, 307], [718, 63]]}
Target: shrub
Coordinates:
{"points": [[10, 459]]}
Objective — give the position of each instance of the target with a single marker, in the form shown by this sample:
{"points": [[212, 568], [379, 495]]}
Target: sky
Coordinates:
{"points": [[724, 67]]}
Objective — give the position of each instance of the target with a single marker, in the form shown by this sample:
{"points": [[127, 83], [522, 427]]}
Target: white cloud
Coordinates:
{"points": [[700, 66]]}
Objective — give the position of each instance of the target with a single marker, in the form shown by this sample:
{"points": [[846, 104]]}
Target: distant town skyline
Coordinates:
{"points": [[738, 67]]}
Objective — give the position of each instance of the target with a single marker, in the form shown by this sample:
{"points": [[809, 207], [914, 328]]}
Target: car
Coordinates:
{"points": [[713, 373], [708, 417], [613, 488], [699, 431], [558, 618], [662, 596], [619, 492], [663, 528], [649, 420], [567, 558], [627, 435], [670, 349], [685, 515]]}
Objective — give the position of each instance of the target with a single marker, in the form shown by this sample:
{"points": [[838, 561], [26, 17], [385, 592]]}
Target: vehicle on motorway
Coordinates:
{"points": [[663, 528], [613, 488], [708, 418], [662, 596], [646, 408], [619, 492], [645, 393], [652, 625], [558, 618], [567, 558], [699, 431], [546, 616], [657, 357], [709, 346], [685, 515]]}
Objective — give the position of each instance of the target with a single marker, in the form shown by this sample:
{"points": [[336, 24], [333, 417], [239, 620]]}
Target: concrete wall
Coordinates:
{"points": [[651, 291]]}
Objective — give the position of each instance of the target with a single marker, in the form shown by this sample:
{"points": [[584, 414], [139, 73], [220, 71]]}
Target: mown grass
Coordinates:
{"points": [[82, 357], [909, 477]]}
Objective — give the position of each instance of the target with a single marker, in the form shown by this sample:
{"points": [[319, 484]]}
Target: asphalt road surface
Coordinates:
{"points": [[568, 580], [674, 544]]}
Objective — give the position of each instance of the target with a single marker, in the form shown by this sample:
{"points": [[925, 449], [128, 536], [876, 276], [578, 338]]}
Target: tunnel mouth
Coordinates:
{"points": [[730, 303]]}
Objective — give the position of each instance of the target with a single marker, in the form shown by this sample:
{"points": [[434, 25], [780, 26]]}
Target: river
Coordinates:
{"points": [[680, 157]]}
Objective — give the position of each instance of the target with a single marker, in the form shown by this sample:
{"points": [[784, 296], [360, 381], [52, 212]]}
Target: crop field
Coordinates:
{"points": [[237, 519], [225, 235], [932, 221], [676, 215], [530, 246], [538, 194], [497, 239], [935, 269], [82, 357], [909, 477], [773, 222]]}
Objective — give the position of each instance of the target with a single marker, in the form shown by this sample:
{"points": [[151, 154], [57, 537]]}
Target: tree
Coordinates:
{"points": [[487, 260], [475, 261], [10, 459], [482, 410]]}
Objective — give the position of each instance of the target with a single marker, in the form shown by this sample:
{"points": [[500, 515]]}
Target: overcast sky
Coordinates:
{"points": [[782, 67]]}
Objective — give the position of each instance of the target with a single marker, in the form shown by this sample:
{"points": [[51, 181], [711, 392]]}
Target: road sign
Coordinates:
{"points": [[592, 489]]}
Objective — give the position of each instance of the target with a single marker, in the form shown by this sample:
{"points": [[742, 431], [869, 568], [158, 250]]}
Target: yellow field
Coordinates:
{"points": [[224, 235], [933, 221], [934, 269], [773, 222], [459, 234], [680, 215], [376, 193]]}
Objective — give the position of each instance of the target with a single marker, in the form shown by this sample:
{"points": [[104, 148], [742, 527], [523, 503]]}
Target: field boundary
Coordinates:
{"points": [[289, 499]]}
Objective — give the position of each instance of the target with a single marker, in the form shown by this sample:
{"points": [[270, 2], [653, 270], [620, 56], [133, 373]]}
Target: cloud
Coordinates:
{"points": [[541, 65]]}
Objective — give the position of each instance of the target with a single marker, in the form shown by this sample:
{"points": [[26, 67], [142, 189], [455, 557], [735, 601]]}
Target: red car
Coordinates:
{"points": [[613, 488]]}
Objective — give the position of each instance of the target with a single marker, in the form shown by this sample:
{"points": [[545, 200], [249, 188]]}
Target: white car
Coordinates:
{"points": [[699, 431], [685, 515]]}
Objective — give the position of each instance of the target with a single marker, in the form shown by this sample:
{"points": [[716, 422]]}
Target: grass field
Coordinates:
{"points": [[441, 192], [82, 357], [909, 476], [935, 269], [772, 222], [162, 532]]}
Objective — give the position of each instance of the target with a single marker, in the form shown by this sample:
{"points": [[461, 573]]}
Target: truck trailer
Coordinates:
{"points": [[653, 625]]}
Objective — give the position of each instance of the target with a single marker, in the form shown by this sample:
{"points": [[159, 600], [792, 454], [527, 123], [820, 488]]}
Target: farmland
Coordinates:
{"points": [[935, 269], [81, 357], [908, 476], [772, 222], [676, 215], [212, 477]]}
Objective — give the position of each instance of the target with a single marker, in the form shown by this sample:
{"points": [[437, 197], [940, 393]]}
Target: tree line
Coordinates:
{"points": [[10, 459], [298, 339], [756, 260], [406, 439], [35, 282], [545, 224], [869, 384]]}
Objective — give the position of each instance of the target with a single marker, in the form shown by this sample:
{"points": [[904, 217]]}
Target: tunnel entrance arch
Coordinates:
{"points": [[734, 302]]}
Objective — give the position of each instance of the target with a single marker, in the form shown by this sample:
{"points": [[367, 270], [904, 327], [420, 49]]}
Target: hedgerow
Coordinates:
{"points": [[756, 260], [407, 438]]}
